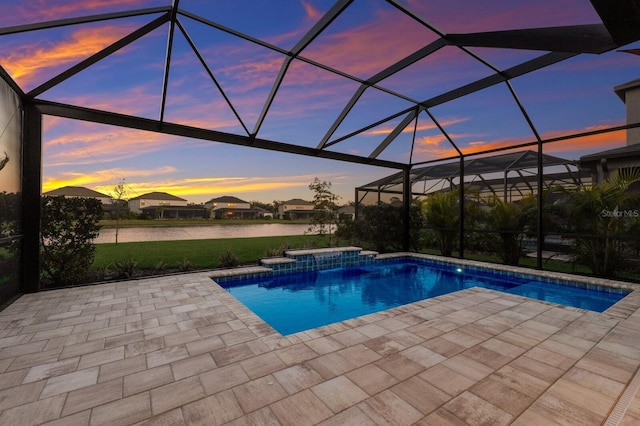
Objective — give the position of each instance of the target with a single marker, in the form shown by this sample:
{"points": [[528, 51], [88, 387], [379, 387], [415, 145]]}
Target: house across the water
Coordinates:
{"points": [[161, 205], [228, 207]]}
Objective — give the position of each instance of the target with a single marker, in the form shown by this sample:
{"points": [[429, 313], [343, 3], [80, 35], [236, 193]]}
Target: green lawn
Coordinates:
{"points": [[202, 254]]}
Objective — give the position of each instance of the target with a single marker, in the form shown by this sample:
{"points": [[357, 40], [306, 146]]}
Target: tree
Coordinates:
{"points": [[324, 202], [599, 216], [266, 206], [380, 226], [10, 209], [416, 226], [509, 221], [69, 226], [442, 213], [10, 226], [119, 192], [276, 207]]}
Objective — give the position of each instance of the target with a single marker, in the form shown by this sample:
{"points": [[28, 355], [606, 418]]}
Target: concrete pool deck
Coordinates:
{"points": [[181, 350]]}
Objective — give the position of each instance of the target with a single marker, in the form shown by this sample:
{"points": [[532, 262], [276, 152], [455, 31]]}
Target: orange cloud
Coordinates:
{"points": [[421, 127], [104, 179], [599, 142], [166, 179], [434, 147], [430, 141], [201, 188], [27, 64], [141, 101], [90, 144]]}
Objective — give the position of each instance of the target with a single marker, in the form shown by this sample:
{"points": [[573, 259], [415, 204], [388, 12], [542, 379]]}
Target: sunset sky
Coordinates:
{"points": [[573, 96]]}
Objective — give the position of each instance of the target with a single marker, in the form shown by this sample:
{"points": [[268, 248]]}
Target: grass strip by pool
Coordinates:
{"points": [[202, 254]]}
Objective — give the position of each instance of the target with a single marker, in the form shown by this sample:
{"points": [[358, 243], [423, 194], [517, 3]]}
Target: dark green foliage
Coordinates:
{"points": [[509, 221], [125, 267], [10, 228], [10, 209], [601, 216], [416, 228], [69, 226], [380, 227], [347, 232], [441, 212]]}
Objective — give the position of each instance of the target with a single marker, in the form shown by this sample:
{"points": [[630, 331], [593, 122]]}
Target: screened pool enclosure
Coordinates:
{"points": [[403, 86]]}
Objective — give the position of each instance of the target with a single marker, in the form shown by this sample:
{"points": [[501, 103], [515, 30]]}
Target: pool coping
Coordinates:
{"points": [[274, 340]]}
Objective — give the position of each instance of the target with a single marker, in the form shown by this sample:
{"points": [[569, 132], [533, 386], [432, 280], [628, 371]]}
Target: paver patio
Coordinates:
{"points": [[181, 350]]}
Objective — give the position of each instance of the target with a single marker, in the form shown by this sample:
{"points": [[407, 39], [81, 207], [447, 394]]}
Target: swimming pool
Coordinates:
{"points": [[304, 300]]}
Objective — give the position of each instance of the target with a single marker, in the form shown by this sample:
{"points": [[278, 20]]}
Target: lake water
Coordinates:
{"points": [[161, 233]]}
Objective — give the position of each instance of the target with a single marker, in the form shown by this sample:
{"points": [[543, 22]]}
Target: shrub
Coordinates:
{"points": [[347, 230], [381, 227], [160, 266], [69, 226], [102, 273], [277, 252], [228, 259], [125, 267], [185, 265]]}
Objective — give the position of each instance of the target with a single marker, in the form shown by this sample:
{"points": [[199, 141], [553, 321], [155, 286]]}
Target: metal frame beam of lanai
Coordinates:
{"points": [[133, 122]]}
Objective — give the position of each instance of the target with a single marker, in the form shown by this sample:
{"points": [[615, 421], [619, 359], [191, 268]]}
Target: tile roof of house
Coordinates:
{"points": [[297, 201], [76, 191], [226, 199], [157, 196]]}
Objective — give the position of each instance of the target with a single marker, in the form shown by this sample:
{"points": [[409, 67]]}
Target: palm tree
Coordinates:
{"points": [[441, 212], [599, 215], [509, 221]]}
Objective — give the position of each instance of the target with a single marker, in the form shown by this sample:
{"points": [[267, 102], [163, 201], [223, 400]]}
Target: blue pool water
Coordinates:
{"points": [[305, 300]]}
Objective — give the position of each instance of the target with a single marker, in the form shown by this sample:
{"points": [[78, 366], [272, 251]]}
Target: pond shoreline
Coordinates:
{"points": [[130, 234], [172, 223]]}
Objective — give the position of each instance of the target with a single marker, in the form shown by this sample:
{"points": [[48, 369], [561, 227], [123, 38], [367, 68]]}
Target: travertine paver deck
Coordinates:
{"points": [[181, 350]]}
